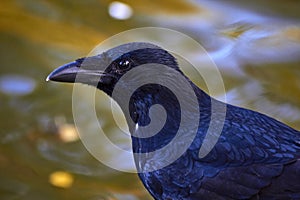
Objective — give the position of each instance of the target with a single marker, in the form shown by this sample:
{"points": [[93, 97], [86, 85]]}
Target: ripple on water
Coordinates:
{"points": [[13, 84]]}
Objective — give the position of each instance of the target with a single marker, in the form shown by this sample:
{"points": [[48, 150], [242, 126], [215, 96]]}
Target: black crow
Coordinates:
{"points": [[254, 156]]}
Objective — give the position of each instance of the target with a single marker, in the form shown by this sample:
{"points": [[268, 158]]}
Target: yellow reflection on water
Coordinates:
{"points": [[61, 179]]}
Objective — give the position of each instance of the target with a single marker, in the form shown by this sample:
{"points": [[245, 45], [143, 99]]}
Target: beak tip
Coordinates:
{"points": [[48, 78]]}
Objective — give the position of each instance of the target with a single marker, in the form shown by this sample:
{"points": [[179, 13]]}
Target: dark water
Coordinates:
{"points": [[256, 47]]}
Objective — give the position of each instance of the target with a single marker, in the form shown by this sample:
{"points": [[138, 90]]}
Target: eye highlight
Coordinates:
{"points": [[124, 64]]}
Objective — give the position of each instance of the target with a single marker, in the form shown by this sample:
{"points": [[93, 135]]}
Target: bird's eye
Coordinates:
{"points": [[124, 64]]}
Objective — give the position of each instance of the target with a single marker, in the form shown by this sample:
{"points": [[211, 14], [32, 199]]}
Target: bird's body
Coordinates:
{"points": [[255, 157]]}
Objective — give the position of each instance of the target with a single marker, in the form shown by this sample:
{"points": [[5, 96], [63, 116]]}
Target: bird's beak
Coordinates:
{"points": [[65, 73], [85, 70]]}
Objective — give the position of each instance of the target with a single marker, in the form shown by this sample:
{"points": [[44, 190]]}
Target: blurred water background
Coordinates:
{"points": [[255, 44]]}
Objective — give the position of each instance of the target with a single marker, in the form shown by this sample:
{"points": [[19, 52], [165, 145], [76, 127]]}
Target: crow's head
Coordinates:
{"points": [[104, 70]]}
